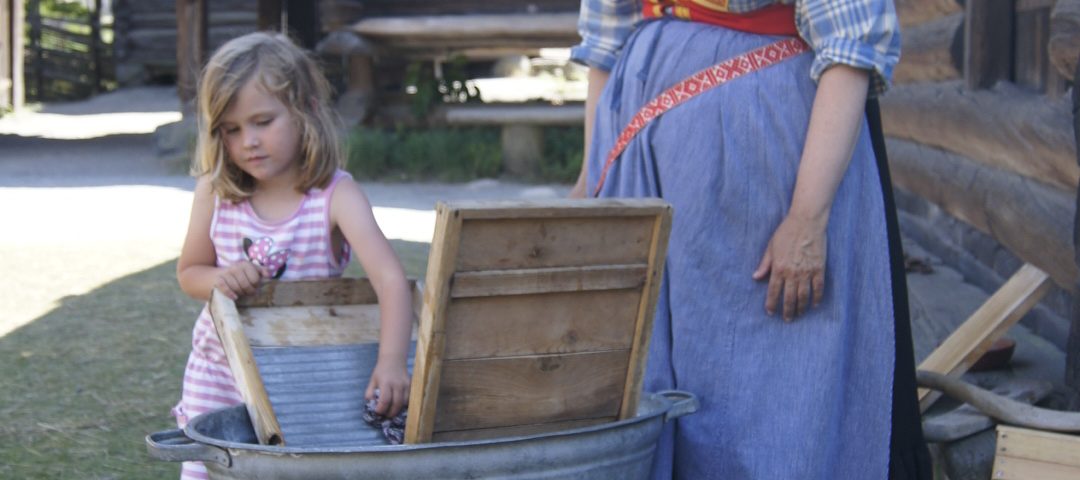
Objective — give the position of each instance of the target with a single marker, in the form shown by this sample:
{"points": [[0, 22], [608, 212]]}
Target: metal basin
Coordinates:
{"points": [[225, 441]]}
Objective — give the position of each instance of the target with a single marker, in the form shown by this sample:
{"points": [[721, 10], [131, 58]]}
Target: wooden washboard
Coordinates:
{"points": [[536, 316]]}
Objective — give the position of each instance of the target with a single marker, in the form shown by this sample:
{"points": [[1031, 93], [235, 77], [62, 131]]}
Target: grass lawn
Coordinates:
{"points": [[83, 384]]}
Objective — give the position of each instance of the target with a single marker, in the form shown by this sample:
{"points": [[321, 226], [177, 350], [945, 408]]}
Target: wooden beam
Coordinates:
{"points": [[1007, 128], [1032, 220], [971, 340], [988, 42]]}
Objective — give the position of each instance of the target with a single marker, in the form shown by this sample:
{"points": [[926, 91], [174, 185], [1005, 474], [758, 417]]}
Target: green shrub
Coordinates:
{"points": [[563, 151], [454, 154], [446, 154]]}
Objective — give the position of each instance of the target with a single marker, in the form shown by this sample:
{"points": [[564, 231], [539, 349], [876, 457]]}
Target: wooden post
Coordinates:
{"points": [[270, 14], [34, 12], [95, 47], [303, 22], [988, 42], [18, 85], [6, 52], [191, 40]]}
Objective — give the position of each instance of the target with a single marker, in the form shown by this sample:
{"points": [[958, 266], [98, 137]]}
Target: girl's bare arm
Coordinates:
{"points": [[351, 212]]}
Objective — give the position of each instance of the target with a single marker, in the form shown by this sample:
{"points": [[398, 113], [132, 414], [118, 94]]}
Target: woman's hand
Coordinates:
{"points": [[240, 278], [794, 262], [391, 379]]}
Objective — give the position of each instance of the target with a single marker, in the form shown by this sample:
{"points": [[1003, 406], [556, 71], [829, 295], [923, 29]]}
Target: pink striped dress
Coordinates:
{"points": [[296, 248]]}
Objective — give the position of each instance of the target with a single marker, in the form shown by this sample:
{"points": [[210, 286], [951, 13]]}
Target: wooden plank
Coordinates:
{"points": [[431, 339], [517, 430], [643, 325], [556, 25], [495, 392], [547, 280], [574, 322], [544, 243], [311, 325], [988, 48], [1032, 454], [559, 208], [971, 340], [338, 291], [245, 372]]}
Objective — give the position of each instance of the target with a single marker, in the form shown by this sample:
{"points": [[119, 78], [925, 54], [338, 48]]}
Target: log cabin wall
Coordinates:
{"points": [[981, 143], [146, 38]]}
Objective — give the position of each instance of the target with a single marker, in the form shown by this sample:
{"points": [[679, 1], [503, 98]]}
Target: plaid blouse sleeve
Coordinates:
{"points": [[860, 33], [604, 25]]}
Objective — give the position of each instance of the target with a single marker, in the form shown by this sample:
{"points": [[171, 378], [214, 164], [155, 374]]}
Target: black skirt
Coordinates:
{"points": [[909, 457]]}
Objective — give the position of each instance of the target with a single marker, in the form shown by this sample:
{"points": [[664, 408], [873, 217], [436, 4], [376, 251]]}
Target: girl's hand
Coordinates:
{"points": [[240, 278], [392, 380], [794, 261]]}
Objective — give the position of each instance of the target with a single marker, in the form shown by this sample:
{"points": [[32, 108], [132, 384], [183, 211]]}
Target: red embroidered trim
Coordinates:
{"points": [[698, 83]]}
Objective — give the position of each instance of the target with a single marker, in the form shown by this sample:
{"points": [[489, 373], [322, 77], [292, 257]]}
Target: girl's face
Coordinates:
{"points": [[261, 135]]}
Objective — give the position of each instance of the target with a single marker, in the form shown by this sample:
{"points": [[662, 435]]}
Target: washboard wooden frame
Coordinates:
{"points": [[537, 316], [305, 313]]}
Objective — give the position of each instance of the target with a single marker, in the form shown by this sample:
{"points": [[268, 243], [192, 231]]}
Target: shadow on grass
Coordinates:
{"points": [[82, 385]]}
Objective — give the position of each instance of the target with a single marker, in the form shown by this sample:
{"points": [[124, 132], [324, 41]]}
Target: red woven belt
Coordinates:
{"points": [[698, 83]]}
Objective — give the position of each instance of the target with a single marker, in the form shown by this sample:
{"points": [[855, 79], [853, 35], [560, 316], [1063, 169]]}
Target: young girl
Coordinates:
{"points": [[272, 202]]}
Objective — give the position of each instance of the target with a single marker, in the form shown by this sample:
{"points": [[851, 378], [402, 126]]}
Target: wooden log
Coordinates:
{"points": [[1064, 44], [914, 12], [1005, 127], [933, 51], [1025, 216]]}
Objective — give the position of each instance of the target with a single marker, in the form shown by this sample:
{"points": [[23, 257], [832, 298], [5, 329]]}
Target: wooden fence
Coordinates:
{"points": [[66, 58]]}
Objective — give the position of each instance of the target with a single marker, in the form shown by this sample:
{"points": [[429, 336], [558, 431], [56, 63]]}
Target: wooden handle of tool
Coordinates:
{"points": [[245, 372]]}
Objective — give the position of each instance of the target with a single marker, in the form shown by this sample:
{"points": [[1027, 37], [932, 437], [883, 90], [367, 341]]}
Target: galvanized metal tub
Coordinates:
{"points": [[225, 441]]}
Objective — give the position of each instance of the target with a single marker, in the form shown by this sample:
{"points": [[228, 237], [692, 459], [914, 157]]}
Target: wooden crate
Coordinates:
{"points": [[1024, 454], [536, 316], [299, 315]]}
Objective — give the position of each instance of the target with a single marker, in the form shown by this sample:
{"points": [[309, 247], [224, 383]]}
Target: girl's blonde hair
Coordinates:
{"points": [[285, 71]]}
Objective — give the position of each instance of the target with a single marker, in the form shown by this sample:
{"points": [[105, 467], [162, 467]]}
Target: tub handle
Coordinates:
{"points": [[175, 446], [682, 403]]}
